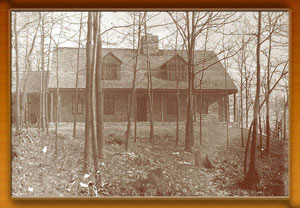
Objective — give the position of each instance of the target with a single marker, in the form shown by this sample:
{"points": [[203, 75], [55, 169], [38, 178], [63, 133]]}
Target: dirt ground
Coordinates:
{"points": [[38, 172]]}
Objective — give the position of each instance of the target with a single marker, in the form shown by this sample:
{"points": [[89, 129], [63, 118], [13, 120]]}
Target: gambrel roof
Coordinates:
{"points": [[213, 79]]}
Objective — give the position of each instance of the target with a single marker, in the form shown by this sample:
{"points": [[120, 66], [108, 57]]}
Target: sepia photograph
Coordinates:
{"points": [[150, 104]]}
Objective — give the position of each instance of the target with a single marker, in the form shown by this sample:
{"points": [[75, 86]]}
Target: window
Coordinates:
{"points": [[171, 107], [172, 72], [109, 71], [204, 109], [79, 107], [111, 67], [109, 104]]}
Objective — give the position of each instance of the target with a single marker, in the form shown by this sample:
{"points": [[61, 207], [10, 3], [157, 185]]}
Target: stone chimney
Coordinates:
{"points": [[149, 42]]}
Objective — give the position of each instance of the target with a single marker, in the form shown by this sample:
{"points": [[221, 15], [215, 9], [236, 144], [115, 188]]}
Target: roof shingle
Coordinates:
{"points": [[214, 76], [29, 81]]}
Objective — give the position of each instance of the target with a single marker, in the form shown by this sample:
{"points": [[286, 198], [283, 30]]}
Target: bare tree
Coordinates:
{"points": [[252, 175], [241, 60], [94, 137], [99, 94], [227, 118], [149, 82], [190, 25], [77, 74], [189, 34], [16, 43], [93, 94], [272, 27], [285, 107], [28, 68], [177, 93], [87, 144], [57, 92], [133, 88]]}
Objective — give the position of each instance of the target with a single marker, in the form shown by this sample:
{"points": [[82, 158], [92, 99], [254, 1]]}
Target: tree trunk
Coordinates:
{"points": [[268, 98], [234, 108], [227, 112], [252, 177], [260, 136], [177, 94], [47, 91], [277, 129], [200, 113], [40, 106], [246, 150], [200, 86], [93, 96], [76, 82], [189, 132], [177, 116], [17, 74], [51, 107], [149, 84], [247, 105], [93, 87], [23, 118], [57, 105], [177, 103], [242, 118], [268, 129], [99, 96], [43, 104], [133, 90], [135, 118], [284, 118], [46, 110], [135, 97], [87, 142]]}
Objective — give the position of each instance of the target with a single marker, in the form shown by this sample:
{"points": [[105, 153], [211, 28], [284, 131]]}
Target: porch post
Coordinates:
{"points": [[162, 106]]}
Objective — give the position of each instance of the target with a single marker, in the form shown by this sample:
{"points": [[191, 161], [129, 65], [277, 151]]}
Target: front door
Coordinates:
{"points": [[141, 108]]}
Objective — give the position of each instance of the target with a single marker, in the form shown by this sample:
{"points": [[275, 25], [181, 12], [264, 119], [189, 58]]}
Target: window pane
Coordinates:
{"points": [[172, 76], [182, 75], [110, 71], [180, 70]]}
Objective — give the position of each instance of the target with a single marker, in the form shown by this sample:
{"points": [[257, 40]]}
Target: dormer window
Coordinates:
{"points": [[109, 71], [174, 68], [111, 67], [174, 71]]}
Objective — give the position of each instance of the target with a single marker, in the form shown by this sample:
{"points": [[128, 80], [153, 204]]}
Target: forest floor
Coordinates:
{"points": [[39, 172]]}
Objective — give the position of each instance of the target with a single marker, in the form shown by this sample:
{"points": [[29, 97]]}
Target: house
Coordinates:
{"points": [[30, 85], [118, 65]]}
